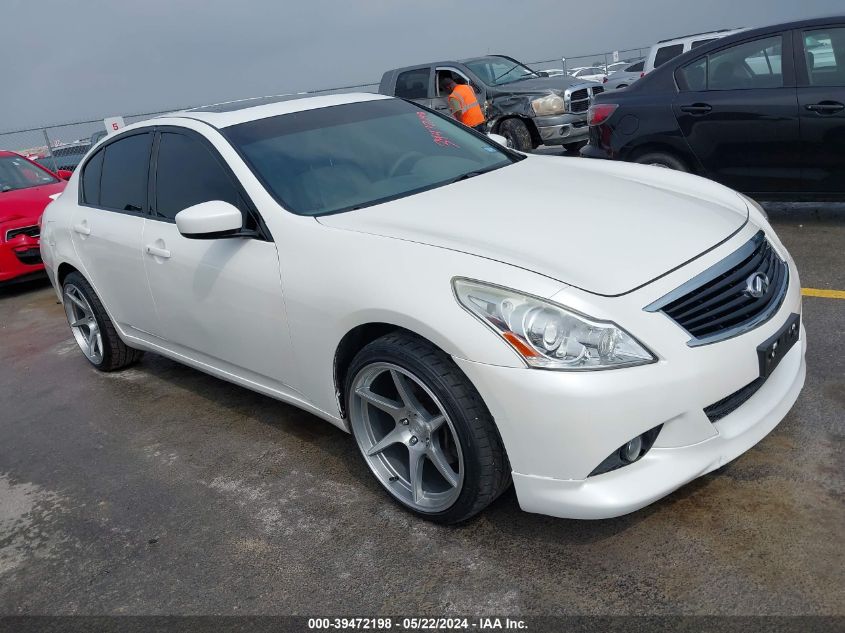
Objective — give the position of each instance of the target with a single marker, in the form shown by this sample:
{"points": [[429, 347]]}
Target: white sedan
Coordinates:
{"points": [[596, 333]]}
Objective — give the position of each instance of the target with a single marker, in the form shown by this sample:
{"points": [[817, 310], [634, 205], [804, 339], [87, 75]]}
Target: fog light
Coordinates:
{"points": [[631, 451]]}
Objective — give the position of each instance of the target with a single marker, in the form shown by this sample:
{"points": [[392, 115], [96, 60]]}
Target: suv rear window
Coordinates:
{"points": [[666, 53]]}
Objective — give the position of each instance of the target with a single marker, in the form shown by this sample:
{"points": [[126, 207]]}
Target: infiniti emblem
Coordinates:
{"points": [[756, 285]]}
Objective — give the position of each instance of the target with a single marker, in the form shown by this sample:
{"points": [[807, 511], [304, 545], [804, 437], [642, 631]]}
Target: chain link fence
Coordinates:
{"points": [[63, 145]]}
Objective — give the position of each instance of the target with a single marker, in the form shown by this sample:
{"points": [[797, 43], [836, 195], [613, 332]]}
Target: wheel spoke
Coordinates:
{"points": [[436, 422], [380, 402], [92, 343], [393, 437], [435, 454], [79, 303], [408, 397], [415, 473]]}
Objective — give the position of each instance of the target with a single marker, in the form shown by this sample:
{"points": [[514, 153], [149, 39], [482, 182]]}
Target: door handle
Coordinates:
{"points": [[697, 108], [82, 228], [155, 251], [826, 107]]}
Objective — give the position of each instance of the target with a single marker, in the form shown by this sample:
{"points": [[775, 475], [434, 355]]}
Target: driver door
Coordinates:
{"points": [[218, 300], [439, 100]]}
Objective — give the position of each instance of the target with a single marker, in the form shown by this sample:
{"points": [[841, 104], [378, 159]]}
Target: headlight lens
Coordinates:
{"points": [[547, 335], [551, 104]]}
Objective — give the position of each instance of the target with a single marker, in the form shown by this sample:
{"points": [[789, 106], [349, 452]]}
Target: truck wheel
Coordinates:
{"points": [[92, 328], [423, 430], [517, 134], [662, 159]]}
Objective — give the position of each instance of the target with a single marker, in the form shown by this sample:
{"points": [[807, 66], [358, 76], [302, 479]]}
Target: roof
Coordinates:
{"points": [[686, 37], [223, 115]]}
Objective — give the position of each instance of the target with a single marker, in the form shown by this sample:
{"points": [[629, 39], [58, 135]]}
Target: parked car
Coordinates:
{"points": [[359, 257], [589, 73], [527, 107], [65, 157], [626, 76], [25, 189], [617, 66], [666, 50], [761, 111]]}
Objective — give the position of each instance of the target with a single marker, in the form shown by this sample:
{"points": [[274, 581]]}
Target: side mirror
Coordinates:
{"points": [[64, 174], [210, 220], [498, 138]]}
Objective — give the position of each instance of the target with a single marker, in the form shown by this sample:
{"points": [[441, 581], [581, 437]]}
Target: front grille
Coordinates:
{"points": [[579, 100], [30, 257], [731, 403], [720, 303], [31, 231]]}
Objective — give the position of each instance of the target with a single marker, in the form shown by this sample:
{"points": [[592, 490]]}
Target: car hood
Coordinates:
{"points": [[541, 84], [27, 203], [607, 228]]}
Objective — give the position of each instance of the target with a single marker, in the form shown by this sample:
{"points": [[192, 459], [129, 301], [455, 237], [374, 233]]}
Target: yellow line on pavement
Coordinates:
{"points": [[827, 294]]}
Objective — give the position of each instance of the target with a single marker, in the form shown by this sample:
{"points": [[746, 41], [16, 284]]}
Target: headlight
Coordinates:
{"points": [[551, 104], [548, 335]]}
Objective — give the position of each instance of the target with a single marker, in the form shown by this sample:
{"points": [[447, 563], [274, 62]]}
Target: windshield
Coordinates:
{"points": [[19, 173], [495, 70], [351, 156]]}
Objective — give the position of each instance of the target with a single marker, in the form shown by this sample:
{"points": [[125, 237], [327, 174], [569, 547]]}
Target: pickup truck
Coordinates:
{"points": [[527, 107]]}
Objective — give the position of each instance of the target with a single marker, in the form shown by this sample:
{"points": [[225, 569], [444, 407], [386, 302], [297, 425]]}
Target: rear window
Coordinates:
{"points": [[745, 66], [636, 68], [666, 53]]}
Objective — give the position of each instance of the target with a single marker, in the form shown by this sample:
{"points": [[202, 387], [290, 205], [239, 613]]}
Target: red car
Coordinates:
{"points": [[25, 189]]}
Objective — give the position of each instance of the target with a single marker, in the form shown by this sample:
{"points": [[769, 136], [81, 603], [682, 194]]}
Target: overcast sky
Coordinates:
{"points": [[66, 60]]}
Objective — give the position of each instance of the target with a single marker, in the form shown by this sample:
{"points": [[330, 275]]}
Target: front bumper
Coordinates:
{"points": [[20, 259], [563, 128], [557, 427]]}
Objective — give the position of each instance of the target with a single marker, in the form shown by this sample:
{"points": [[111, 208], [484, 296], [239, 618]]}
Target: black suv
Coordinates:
{"points": [[761, 111]]}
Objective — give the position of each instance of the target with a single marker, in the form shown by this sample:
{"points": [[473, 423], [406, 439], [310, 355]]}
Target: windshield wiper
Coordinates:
{"points": [[495, 79], [470, 174]]}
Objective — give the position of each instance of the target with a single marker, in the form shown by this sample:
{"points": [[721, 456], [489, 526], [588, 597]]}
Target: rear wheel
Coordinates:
{"points": [[92, 328], [517, 134], [662, 159], [423, 430]]}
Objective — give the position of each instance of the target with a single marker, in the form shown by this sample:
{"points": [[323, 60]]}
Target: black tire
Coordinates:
{"points": [[486, 466], [574, 148], [116, 354], [517, 134], [662, 159]]}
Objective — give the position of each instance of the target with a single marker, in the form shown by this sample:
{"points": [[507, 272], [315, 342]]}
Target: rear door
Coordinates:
{"points": [[820, 63], [738, 110], [415, 84], [107, 227]]}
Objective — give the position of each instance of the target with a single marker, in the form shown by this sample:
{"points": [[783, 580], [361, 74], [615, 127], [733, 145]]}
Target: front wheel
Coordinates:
{"points": [[517, 134], [423, 430]]}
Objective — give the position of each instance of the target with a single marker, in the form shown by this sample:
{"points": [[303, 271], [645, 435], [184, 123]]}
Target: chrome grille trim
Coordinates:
{"points": [[577, 99], [714, 306]]}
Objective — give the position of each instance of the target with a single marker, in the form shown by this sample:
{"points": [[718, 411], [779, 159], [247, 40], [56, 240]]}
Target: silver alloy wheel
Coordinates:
{"points": [[83, 324], [406, 437]]}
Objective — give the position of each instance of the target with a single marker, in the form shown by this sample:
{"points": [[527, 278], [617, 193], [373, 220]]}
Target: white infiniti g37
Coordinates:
{"points": [[596, 333]]}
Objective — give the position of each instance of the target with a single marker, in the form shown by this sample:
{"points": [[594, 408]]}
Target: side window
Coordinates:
{"points": [[693, 76], [126, 165], [187, 173], [824, 52], [636, 68], [91, 179], [745, 66], [665, 53], [698, 43], [413, 84]]}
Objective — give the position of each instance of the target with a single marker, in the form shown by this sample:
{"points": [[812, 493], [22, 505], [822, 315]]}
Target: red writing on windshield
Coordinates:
{"points": [[436, 134]]}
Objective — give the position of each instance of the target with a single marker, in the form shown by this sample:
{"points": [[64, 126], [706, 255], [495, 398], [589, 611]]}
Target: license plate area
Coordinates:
{"points": [[771, 351]]}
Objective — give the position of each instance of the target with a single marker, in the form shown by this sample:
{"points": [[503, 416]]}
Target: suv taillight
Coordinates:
{"points": [[600, 112]]}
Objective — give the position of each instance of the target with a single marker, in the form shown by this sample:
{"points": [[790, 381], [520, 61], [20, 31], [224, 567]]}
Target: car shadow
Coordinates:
{"points": [[16, 288]]}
